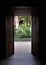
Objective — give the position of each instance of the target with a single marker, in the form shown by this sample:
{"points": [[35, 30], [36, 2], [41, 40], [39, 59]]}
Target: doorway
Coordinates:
{"points": [[22, 11], [22, 34]]}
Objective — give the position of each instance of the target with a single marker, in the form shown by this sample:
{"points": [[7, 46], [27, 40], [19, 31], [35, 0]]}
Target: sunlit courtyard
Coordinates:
{"points": [[22, 34], [22, 28]]}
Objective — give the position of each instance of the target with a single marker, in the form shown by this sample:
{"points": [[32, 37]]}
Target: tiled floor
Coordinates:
{"points": [[22, 56]]}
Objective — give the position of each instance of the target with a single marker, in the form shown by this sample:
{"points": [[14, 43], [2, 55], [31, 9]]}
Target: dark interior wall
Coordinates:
{"points": [[22, 10], [9, 22], [2, 34], [4, 11], [35, 33], [9, 35], [42, 33]]}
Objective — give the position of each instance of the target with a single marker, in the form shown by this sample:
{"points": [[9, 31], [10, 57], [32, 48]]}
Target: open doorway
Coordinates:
{"points": [[22, 34], [34, 40]]}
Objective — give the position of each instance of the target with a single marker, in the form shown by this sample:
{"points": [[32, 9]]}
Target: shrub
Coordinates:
{"points": [[24, 30]]}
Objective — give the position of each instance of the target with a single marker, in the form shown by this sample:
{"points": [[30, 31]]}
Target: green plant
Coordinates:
{"points": [[24, 30]]}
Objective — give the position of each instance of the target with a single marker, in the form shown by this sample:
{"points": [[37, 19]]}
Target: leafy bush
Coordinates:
{"points": [[24, 30]]}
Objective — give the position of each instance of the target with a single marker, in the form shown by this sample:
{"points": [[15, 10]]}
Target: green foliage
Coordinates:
{"points": [[26, 18], [24, 30]]}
